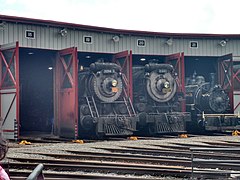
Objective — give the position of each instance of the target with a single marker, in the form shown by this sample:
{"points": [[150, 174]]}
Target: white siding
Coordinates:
{"points": [[48, 38]]}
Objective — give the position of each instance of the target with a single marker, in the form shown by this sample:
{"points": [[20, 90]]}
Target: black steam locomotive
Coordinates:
{"points": [[104, 108], [156, 100], [209, 105]]}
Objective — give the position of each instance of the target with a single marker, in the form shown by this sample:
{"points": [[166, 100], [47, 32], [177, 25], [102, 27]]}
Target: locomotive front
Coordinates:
{"points": [[209, 105], [104, 108], [156, 99], [160, 82]]}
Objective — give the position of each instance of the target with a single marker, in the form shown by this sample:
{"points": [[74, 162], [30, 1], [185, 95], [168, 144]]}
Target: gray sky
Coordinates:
{"points": [[175, 16]]}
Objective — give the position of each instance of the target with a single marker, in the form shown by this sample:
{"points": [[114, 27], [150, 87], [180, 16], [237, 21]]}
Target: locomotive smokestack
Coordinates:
{"points": [[212, 80]]}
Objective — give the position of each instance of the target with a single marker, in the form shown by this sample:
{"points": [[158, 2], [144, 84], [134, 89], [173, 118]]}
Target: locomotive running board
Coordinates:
{"points": [[204, 116]]}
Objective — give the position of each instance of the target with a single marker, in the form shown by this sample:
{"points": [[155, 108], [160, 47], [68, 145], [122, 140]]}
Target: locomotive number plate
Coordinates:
{"points": [[162, 71], [108, 71], [114, 89]]}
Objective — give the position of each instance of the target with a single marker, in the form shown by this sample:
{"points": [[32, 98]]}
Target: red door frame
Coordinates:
{"points": [[177, 60], [11, 74], [66, 93], [126, 69], [225, 76], [236, 77]]}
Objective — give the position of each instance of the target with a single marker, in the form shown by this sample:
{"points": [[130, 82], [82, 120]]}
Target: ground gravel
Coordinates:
{"points": [[24, 151], [16, 150]]}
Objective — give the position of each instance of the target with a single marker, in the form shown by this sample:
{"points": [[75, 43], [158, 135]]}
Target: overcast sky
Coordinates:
{"points": [[174, 16]]}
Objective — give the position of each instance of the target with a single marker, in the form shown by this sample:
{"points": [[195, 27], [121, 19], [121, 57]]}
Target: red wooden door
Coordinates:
{"points": [[124, 59], [225, 76], [177, 60], [236, 82], [66, 93], [9, 89]]}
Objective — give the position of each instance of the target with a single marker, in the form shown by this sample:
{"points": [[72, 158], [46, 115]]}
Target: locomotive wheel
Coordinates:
{"points": [[120, 108], [85, 110], [87, 123], [142, 119]]}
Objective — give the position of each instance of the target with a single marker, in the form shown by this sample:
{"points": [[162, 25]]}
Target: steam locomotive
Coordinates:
{"points": [[156, 99], [209, 105], [104, 108]]}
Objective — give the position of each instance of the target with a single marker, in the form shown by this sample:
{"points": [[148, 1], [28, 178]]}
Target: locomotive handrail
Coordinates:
{"points": [[126, 103], [220, 115], [130, 102], [89, 106], [126, 83], [125, 80], [127, 106], [94, 104]]}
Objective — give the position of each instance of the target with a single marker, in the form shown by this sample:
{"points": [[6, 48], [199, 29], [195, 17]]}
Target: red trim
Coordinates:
{"points": [[66, 98], [8, 64], [238, 102], [14, 60], [110, 30], [236, 106], [183, 81], [126, 68], [225, 76], [75, 75], [177, 60], [17, 89], [66, 71], [8, 130], [130, 76]]}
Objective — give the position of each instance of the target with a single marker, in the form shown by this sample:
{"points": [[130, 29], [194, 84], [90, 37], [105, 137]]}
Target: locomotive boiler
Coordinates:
{"points": [[104, 108], [209, 105], [156, 100]]}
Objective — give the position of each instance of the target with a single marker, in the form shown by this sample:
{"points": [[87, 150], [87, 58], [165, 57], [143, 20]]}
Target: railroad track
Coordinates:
{"points": [[106, 159], [172, 159]]}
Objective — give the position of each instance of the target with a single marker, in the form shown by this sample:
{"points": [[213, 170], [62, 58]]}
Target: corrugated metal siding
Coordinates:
{"points": [[49, 38]]}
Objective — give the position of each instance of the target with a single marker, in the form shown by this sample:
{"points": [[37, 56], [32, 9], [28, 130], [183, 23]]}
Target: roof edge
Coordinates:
{"points": [[112, 30]]}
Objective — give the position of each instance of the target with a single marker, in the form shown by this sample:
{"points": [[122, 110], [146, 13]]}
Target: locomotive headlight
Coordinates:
{"points": [[166, 85], [114, 83]]}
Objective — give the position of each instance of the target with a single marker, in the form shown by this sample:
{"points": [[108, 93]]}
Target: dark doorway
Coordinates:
{"points": [[201, 66], [36, 90]]}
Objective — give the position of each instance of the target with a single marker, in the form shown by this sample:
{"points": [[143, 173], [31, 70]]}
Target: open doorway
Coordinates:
{"points": [[36, 90], [201, 66]]}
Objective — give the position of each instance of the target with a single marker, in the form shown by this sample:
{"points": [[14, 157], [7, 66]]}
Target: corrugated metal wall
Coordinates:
{"points": [[49, 38]]}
